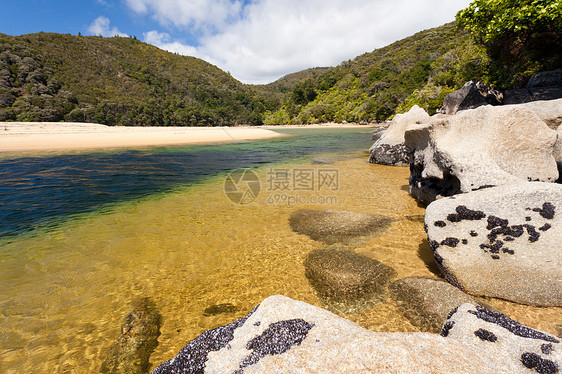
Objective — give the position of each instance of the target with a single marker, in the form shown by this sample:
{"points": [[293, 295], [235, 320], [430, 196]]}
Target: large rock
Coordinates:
{"points": [[286, 336], [546, 79], [470, 96], [502, 242], [479, 148], [546, 85], [337, 226], [550, 111], [138, 339], [346, 281], [378, 132], [558, 154], [523, 350], [389, 149], [426, 302]]}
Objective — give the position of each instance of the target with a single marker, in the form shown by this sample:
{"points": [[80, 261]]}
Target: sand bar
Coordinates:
{"points": [[46, 136]]}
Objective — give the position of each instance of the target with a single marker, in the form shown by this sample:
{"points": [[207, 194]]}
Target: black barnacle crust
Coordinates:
{"points": [[494, 221], [547, 348], [439, 224], [433, 244], [450, 242], [547, 211], [452, 312], [534, 361], [533, 233], [486, 335], [463, 213], [278, 338], [513, 326], [446, 328], [192, 357]]}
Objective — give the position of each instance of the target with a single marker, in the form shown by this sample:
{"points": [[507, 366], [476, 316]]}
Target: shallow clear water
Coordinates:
{"points": [[67, 286], [38, 190]]}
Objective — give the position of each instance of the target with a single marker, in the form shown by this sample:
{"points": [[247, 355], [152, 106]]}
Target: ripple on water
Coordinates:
{"points": [[188, 250]]}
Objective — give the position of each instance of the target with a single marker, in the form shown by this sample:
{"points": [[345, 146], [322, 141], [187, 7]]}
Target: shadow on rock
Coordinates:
{"points": [[426, 254]]}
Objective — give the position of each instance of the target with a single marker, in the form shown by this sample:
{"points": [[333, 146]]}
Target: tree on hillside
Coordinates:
{"points": [[522, 36], [304, 92]]}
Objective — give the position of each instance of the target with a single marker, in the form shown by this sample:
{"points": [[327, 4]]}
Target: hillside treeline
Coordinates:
{"points": [[117, 81]]}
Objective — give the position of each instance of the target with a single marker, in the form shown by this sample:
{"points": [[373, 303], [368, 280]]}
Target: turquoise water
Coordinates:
{"points": [[41, 190]]}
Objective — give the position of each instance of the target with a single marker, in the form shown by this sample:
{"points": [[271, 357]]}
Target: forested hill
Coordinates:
{"points": [[117, 81], [122, 81], [420, 69]]}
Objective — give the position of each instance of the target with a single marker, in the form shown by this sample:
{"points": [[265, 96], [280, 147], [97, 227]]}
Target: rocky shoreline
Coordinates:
{"points": [[494, 223]]}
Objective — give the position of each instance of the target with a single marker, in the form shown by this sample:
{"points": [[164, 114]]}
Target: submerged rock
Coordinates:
{"points": [[329, 160], [287, 336], [389, 149], [470, 96], [502, 242], [416, 218], [138, 339], [337, 226], [225, 308], [479, 148], [426, 302], [347, 281]]}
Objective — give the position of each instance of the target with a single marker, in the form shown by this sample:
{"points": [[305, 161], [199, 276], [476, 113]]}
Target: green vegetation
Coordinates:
{"points": [[122, 81], [420, 70], [521, 36], [117, 81]]}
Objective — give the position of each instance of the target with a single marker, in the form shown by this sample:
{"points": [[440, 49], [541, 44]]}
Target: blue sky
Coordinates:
{"points": [[257, 41]]}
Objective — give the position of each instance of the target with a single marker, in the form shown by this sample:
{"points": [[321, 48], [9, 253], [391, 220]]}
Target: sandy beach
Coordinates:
{"points": [[44, 136]]}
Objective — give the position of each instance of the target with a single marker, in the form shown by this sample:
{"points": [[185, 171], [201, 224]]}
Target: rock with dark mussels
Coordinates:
{"points": [[287, 336], [503, 242], [523, 349]]}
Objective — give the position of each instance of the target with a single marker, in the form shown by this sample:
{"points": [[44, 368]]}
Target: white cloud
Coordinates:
{"points": [[201, 15], [101, 26], [267, 39], [164, 41]]}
